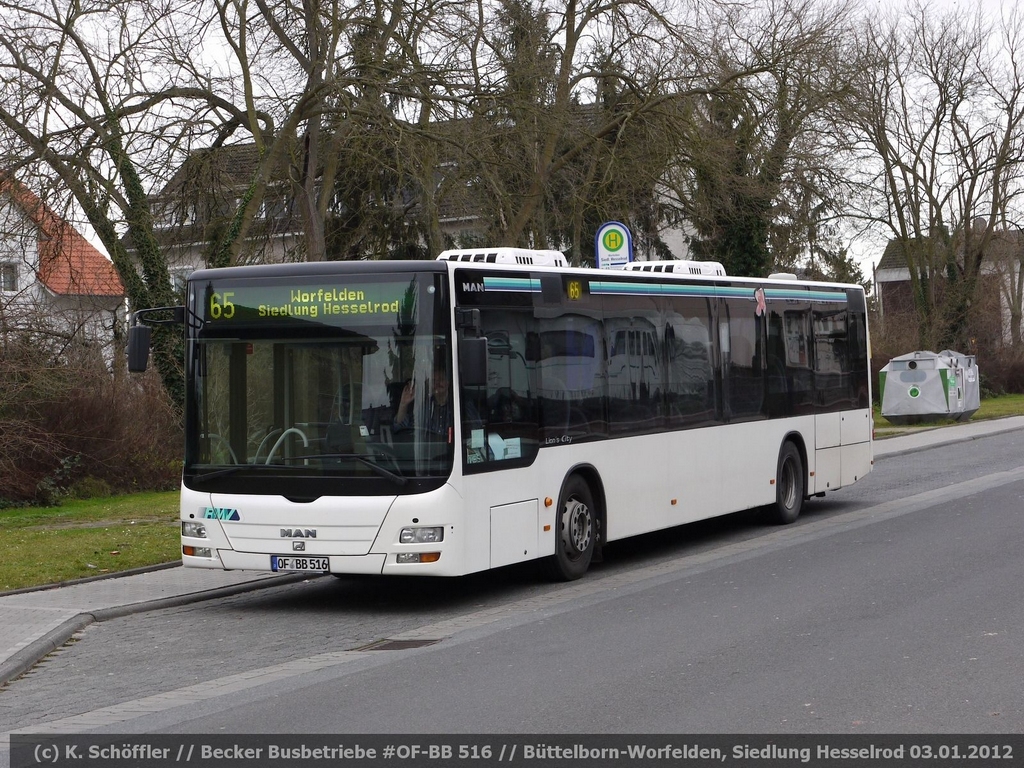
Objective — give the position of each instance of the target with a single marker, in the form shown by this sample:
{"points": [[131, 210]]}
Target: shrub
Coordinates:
{"points": [[90, 488], [71, 426]]}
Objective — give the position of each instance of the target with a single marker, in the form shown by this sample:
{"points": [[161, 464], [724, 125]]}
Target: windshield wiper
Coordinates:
{"points": [[384, 472], [224, 472]]}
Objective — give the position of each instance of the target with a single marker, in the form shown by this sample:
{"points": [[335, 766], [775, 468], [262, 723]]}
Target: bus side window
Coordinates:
{"points": [[634, 366], [742, 377], [801, 377], [780, 402], [856, 350], [830, 358], [499, 419], [689, 366], [568, 357]]}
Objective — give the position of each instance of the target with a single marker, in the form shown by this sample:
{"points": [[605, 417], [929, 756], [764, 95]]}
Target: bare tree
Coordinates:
{"points": [[561, 100], [1006, 248], [111, 97], [757, 171], [83, 91], [938, 131], [355, 89]]}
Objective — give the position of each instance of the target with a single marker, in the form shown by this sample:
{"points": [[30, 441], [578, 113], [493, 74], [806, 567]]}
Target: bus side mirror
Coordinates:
{"points": [[138, 347], [473, 361], [139, 334]]}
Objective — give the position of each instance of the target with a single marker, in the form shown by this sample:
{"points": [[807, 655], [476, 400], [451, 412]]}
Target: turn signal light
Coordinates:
{"points": [[418, 557]]}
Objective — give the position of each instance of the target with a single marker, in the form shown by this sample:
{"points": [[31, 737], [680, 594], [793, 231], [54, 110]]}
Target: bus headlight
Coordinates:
{"points": [[421, 535], [193, 529], [196, 551]]}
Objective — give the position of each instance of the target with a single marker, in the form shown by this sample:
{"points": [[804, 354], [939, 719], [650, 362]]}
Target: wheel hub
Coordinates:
{"points": [[788, 482], [577, 527]]}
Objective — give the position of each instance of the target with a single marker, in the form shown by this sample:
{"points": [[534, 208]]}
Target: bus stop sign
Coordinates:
{"points": [[613, 245]]}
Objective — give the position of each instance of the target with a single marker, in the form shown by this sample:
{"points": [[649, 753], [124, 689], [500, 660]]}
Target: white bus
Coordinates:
{"points": [[496, 406]]}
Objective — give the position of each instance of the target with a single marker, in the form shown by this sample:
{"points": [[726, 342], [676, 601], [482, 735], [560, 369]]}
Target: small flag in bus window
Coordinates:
{"points": [[759, 298]]}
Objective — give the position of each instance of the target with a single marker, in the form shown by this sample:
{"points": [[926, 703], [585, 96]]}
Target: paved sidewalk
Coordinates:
{"points": [[34, 623], [910, 439]]}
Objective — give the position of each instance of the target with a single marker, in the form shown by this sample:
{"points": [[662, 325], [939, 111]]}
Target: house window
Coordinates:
{"points": [[179, 277], [8, 277], [273, 208]]}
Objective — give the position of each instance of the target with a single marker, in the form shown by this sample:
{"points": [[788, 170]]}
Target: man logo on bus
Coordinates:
{"points": [[298, 533]]}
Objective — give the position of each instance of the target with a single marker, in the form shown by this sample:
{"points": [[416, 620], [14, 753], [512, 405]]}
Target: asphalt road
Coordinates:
{"points": [[891, 606]]}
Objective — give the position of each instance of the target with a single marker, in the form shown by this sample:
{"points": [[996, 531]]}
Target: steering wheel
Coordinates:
{"points": [[280, 441]]}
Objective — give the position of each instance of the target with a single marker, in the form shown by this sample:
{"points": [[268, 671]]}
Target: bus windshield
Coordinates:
{"points": [[301, 388]]}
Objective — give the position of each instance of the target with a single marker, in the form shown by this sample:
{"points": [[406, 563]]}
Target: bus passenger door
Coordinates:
{"points": [[742, 345], [500, 440]]}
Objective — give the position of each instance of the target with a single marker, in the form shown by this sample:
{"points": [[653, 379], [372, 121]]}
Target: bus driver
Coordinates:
{"points": [[440, 415]]}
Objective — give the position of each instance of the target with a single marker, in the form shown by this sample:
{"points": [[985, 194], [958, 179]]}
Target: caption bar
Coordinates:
{"points": [[536, 751]]}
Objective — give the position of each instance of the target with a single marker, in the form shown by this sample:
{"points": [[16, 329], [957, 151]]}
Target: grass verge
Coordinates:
{"points": [[48, 545]]}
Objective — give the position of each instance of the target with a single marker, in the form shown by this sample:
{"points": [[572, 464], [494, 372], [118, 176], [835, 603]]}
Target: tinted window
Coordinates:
{"points": [[633, 362], [500, 419], [790, 377], [689, 367], [742, 359], [570, 373]]}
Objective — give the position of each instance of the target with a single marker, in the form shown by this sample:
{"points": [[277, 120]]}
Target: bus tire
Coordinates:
{"points": [[576, 530], [790, 485]]}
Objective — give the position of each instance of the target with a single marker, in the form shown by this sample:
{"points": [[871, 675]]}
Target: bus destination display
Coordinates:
{"points": [[353, 304]]}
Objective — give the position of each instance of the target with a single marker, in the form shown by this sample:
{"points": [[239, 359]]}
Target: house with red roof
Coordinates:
{"points": [[52, 279]]}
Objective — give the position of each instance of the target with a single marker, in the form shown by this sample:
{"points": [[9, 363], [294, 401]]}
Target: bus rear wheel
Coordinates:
{"points": [[790, 485], [576, 531]]}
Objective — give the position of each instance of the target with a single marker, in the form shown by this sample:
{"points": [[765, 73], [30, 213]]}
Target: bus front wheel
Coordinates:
{"points": [[575, 531], [790, 485]]}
